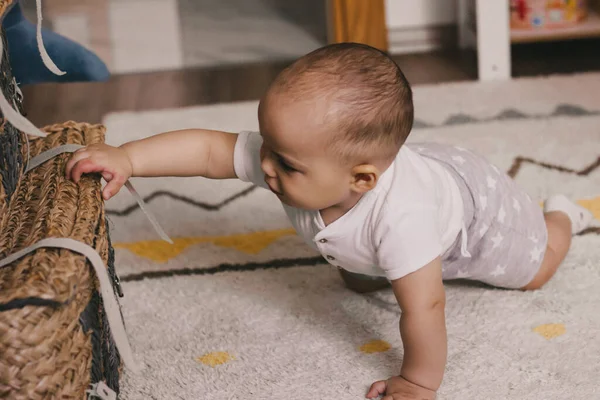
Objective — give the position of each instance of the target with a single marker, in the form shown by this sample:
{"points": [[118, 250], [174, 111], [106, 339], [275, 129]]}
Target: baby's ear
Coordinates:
{"points": [[364, 178]]}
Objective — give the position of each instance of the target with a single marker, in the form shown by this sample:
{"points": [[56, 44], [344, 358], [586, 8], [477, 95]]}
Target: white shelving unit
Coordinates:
{"points": [[485, 25]]}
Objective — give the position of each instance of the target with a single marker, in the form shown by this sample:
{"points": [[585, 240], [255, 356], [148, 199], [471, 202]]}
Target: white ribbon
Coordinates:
{"points": [[106, 290], [11, 115], [40, 42], [463, 242], [70, 148], [14, 117]]}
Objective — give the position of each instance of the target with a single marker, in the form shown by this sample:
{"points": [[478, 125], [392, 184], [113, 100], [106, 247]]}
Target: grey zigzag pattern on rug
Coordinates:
{"points": [[562, 110], [184, 199]]}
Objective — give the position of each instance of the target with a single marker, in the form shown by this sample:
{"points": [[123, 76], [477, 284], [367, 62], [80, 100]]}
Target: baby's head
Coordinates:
{"points": [[332, 122]]}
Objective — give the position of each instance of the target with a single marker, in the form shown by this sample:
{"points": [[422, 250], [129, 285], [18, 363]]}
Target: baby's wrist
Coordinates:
{"points": [[422, 377], [127, 152], [412, 382]]}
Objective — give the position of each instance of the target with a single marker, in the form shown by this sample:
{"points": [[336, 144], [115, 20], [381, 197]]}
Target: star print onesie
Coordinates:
{"points": [[506, 235], [434, 200]]}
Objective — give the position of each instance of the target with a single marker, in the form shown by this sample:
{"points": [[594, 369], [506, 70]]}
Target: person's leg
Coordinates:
{"points": [[559, 242], [563, 220], [26, 62]]}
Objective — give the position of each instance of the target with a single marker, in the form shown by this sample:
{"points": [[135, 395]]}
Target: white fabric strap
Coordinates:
{"points": [[10, 114], [464, 242], [15, 118], [40, 42], [163, 235], [70, 148], [106, 290], [49, 154], [101, 391]]}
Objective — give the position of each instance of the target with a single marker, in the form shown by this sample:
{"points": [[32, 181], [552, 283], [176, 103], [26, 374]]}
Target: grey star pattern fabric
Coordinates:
{"points": [[506, 234]]}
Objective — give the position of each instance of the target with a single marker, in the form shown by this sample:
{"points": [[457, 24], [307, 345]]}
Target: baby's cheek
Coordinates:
{"points": [[294, 188], [288, 186]]}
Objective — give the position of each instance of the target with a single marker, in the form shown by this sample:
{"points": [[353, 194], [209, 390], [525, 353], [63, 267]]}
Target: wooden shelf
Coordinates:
{"points": [[590, 27]]}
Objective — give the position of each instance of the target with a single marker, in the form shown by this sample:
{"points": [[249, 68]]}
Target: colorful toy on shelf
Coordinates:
{"points": [[532, 14]]}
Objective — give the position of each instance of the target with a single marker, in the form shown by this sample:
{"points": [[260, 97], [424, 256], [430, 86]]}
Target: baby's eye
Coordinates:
{"points": [[285, 166]]}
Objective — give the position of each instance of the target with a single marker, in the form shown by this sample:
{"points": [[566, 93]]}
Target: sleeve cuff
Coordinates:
{"points": [[416, 265], [240, 155]]}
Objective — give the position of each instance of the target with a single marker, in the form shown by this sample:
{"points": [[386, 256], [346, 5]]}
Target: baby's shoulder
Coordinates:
{"points": [[409, 192]]}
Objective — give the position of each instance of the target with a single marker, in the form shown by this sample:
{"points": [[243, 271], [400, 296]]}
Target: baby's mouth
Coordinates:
{"points": [[271, 188]]}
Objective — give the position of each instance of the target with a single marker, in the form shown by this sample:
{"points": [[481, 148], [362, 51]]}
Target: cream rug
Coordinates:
{"points": [[240, 308]]}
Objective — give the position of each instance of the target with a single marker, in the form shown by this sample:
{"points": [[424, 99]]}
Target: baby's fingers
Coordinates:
{"points": [[378, 388], [84, 166], [75, 158], [112, 187]]}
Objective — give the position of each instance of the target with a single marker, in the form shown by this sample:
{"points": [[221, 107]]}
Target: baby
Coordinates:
{"points": [[332, 148]]}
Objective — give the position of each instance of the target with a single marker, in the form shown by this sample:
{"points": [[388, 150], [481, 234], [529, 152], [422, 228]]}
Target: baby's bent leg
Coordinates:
{"points": [[559, 241], [563, 220]]}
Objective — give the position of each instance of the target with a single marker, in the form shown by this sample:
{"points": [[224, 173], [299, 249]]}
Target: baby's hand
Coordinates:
{"points": [[398, 388], [111, 162]]}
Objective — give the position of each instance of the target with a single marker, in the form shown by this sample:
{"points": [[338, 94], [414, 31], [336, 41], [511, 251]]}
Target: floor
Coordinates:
{"points": [[192, 33], [239, 82]]}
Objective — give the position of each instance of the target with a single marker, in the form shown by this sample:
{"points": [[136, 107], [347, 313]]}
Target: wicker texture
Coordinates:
{"points": [[54, 338], [11, 140]]}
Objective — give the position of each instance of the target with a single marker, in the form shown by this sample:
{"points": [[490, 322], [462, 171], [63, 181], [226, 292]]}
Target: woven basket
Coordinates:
{"points": [[54, 337], [11, 141]]}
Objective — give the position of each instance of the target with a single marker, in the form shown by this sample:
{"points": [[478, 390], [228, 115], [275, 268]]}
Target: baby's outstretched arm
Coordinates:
{"points": [[421, 297], [191, 152]]}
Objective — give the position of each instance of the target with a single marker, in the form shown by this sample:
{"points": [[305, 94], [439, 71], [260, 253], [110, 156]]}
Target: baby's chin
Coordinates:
{"points": [[296, 204], [287, 201]]}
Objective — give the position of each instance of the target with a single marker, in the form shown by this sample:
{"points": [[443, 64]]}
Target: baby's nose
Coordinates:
{"points": [[267, 167]]}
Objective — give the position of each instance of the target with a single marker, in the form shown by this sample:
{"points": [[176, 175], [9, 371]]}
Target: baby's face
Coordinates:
{"points": [[297, 165]]}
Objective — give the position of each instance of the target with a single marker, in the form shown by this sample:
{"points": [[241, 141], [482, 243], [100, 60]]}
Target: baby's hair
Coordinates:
{"points": [[372, 107]]}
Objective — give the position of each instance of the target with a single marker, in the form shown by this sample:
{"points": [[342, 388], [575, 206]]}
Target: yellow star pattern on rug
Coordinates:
{"points": [[593, 205], [250, 243], [375, 346], [215, 358], [550, 331]]}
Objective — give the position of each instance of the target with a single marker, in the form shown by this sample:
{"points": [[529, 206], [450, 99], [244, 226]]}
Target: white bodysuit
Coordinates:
{"points": [[412, 216]]}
